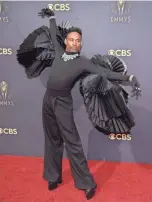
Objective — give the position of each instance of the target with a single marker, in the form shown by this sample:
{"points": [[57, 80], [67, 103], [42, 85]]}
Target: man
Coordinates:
{"points": [[58, 120]]}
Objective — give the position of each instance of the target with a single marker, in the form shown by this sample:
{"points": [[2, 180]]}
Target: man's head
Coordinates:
{"points": [[73, 40]]}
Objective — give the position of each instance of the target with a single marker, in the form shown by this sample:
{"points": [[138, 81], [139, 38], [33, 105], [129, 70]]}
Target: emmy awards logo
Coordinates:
{"points": [[4, 87], [3, 10], [121, 8], [5, 96]]}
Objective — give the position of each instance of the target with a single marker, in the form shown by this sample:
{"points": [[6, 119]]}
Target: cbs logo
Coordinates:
{"points": [[8, 131], [59, 7], [120, 52], [5, 51], [113, 136]]}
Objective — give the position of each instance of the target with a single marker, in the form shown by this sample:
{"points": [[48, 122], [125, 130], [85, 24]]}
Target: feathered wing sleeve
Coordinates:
{"points": [[105, 100], [36, 52]]}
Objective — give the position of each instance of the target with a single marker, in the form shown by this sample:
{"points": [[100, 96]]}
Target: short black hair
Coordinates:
{"points": [[74, 29]]}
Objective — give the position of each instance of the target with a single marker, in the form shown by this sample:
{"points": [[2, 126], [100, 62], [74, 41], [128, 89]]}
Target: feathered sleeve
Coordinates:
{"points": [[36, 52], [105, 100]]}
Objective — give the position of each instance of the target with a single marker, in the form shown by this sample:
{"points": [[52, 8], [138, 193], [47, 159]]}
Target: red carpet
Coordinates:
{"points": [[21, 181]]}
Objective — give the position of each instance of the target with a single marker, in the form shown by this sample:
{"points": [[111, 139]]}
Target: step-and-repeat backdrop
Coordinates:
{"points": [[120, 28]]}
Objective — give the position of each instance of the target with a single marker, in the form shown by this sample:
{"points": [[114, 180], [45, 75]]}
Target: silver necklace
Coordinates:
{"points": [[66, 57]]}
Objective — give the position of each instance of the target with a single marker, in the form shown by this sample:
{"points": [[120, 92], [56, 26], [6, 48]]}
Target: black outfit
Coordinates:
{"points": [[58, 120]]}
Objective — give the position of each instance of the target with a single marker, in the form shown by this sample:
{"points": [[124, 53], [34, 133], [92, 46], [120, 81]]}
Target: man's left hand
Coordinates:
{"points": [[136, 92]]}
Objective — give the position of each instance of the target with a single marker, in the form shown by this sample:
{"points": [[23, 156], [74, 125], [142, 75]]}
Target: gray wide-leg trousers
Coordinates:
{"points": [[59, 127]]}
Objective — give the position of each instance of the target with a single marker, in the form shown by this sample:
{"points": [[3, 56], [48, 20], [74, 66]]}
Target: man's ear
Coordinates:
{"points": [[65, 41]]}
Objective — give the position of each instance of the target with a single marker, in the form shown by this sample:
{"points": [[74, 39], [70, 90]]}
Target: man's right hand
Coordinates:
{"points": [[136, 91], [46, 12]]}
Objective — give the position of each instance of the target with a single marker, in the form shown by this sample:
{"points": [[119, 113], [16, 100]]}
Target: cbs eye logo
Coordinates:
{"points": [[119, 53], [5, 51], [8, 131], [113, 136], [59, 7]]}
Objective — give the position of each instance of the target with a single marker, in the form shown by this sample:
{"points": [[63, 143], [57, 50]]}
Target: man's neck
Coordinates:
{"points": [[71, 53]]}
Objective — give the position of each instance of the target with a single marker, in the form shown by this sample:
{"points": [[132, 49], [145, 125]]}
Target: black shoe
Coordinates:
{"points": [[53, 185], [90, 193]]}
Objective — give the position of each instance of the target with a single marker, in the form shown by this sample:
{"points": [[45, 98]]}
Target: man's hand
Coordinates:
{"points": [[136, 91], [65, 25], [46, 12]]}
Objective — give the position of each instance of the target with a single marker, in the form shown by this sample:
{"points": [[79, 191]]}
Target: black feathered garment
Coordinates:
{"points": [[104, 98]]}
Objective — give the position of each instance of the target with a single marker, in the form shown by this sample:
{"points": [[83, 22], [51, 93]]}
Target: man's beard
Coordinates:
{"points": [[74, 50]]}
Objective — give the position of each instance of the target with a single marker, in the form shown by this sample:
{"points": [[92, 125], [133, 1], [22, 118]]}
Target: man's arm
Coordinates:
{"points": [[46, 12], [96, 69], [88, 66], [54, 31]]}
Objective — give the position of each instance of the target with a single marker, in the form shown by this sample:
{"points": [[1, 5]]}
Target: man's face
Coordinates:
{"points": [[73, 42]]}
